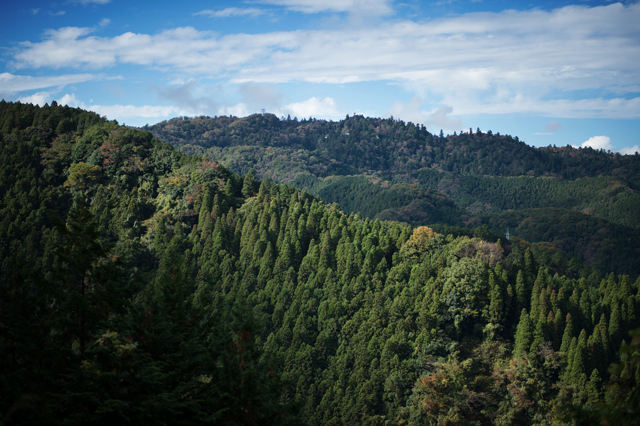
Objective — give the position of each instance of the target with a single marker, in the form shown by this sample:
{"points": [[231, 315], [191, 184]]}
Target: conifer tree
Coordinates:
{"points": [[540, 334], [249, 184], [574, 308], [524, 335], [615, 324], [522, 299], [530, 266], [535, 301], [206, 205], [579, 361], [558, 330], [264, 190], [496, 304], [509, 302], [594, 388], [596, 354], [570, 355], [585, 310], [606, 341]]}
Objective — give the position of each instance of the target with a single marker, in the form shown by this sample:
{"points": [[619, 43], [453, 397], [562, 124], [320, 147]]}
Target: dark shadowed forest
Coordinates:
{"points": [[143, 285]]}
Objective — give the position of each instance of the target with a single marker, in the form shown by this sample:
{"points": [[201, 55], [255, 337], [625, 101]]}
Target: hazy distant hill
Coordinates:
{"points": [[389, 169]]}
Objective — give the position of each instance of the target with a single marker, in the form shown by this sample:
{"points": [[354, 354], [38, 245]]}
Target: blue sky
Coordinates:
{"points": [[552, 73]]}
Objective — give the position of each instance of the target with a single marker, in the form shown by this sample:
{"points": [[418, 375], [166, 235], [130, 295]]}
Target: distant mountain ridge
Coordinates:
{"points": [[388, 145], [389, 169]]}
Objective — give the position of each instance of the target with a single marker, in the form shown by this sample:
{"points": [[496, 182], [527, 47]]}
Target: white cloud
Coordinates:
{"points": [[112, 112], [191, 97], [435, 120], [313, 107], [11, 83], [39, 98], [120, 112], [71, 100], [599, 142], [89, 1], [238, 110], [439, 119], [42, 98], [104, 22], [604, 142], [232, 11], [408, 112], [491, 63], [375, 7], [35, 11], [58, 13], [580, 108], [630, 150], [260, 95]]}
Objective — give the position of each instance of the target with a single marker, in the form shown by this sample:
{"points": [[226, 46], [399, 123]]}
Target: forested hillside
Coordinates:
{"points": [[140, 285], [388, 169]]}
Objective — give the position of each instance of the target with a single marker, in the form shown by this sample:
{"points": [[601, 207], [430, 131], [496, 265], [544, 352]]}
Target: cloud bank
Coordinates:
{"points": [[571, 62], [599, 142], [11, 83], [604, 142], [231, 11], [475, 63], [371, 7]]}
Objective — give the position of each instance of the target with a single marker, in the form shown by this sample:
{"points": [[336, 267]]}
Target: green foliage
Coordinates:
{"points": [[622, 393], [524, 335], [388, 169], [175, 295], [80, 174]]}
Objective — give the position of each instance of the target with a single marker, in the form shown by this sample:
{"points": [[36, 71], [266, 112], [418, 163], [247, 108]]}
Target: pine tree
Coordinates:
{"points": [[585, 310], [264, 191], [522, 299], [249, 184], [558, 330], [206, 205], [509, 302], [496, 304], [594, 388], [535, 301], [530, 266], [540, 335], [579, 361], [524, 335], [615, 332], [597, 356], [570, 355]]}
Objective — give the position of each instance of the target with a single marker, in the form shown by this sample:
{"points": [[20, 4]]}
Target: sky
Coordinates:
{"points": [[552, 73]]}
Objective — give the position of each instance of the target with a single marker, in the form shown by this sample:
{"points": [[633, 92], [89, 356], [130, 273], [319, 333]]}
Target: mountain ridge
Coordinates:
{"points": [[389, 169]]}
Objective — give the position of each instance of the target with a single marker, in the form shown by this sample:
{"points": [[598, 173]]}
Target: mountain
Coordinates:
{"points": [[388, 169], [140, 285]]}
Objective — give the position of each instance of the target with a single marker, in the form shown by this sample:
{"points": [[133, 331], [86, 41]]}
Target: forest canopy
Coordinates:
{"points": [[141, 285], [392, 170]]}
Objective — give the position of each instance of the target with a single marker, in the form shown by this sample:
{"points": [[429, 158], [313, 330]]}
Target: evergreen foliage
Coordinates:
{"points": [[389, 169], [176, 292]]}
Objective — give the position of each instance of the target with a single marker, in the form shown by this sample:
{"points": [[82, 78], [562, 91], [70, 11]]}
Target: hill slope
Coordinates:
{"points": [[393, 170], [176, 292]]}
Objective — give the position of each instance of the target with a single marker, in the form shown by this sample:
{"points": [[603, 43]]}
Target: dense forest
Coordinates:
{"points": [[388, 169], [140, 285]]}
